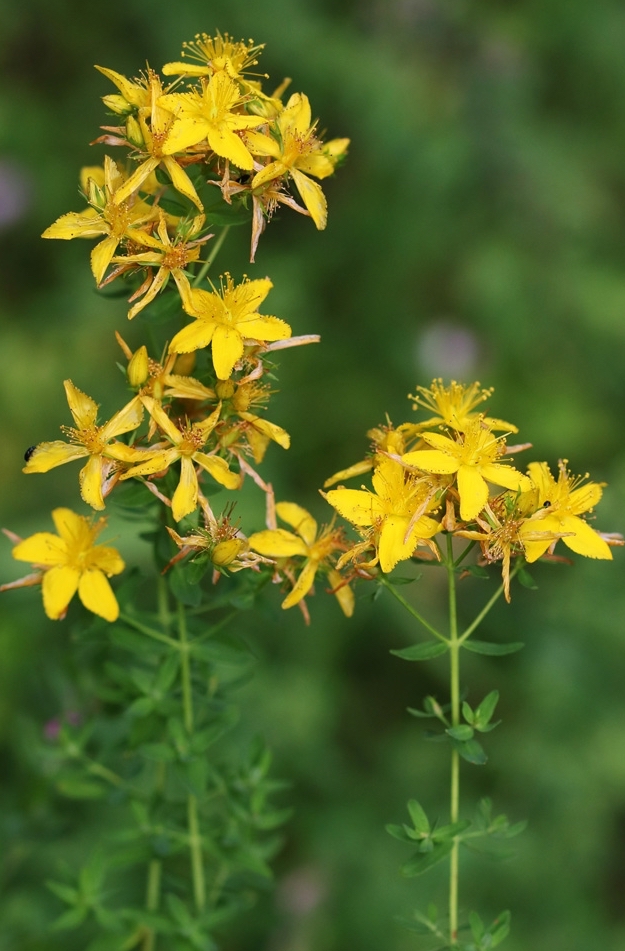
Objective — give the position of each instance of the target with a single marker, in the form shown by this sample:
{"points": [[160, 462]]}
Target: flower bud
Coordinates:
{"points": [[185, 364], [224, 389], [242, 399], [138, 367], [117, 104], [224, 553], [134, 133]]}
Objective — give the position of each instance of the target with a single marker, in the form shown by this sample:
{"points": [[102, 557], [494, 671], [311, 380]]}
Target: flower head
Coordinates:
{"points": [[70, 562], [454, 406]]}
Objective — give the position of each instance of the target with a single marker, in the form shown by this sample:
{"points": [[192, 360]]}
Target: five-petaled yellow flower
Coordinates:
{"points": [[187, 444], [70, 562], [473, 457], [226, 320], [454, 405], [563, 502], [396, 511], [316, 547], [89, 440]]}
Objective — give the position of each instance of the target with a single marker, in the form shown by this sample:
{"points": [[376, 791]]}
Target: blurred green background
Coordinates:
{"points": [[476, 231]]}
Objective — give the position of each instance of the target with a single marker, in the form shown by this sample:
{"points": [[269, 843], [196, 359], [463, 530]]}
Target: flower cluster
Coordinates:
{"points": [[436, 475], [209, 147]]}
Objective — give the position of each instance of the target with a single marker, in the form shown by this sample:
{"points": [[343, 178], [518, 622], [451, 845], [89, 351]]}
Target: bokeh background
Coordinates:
{"points": [[476, 231]]}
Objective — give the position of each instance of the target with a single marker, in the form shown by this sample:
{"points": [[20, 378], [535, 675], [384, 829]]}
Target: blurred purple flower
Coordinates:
{"points": [[448, 350], [15, 193]]}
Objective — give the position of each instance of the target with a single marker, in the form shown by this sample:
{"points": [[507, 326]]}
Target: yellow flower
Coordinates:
{"points": [[395, 510], [227, 319], [384, 439], [91, 441], [563, 502], [187, 444], [454, 405], [212, 54], [210, 115], [316, 547], [170, 257], [473, 458], [297, 152], [107, 216], [153, 125], [72, 562]]}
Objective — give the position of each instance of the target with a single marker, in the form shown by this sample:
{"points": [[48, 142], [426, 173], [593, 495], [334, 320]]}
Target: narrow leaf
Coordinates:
{"points": [[418, 816], [461, 732], [423, 861], [488, 647], [471, 751], [526, 579], [486, 709], [422, 651]]}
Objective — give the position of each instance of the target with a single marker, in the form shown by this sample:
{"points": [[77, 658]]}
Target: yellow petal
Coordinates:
{"points": [[181, 181], [107, 559], [431, 460], [391, 546], [132, 92], [229, 145], [473, 492], [43, 548], [506, 476], [274, 432], [359, 507], [268, 174], [343, 594], [82, 407], [359, 468], [227, 349], [541, 476], [219, 470], [127, 419], [91, 483], [258, 327], [184, 499], [88, 224], [161, 418], [47, 455], [441, 442], [299, 519], [101, 256], [277, 543], [585, 541], [303, 584], [71, 526], [313, 198], [534, 546], [317, 164], [156, 462], [195, 336], [260, 144], [58, 587], [135, 181], [585, 498], [97, 595]]}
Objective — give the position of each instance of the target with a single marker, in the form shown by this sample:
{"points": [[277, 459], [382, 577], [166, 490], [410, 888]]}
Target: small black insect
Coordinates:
{"points": [[29, 453]]}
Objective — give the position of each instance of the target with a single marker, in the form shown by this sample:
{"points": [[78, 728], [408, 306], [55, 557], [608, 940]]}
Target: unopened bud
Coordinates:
{"points": [[138, 369], [224, 553], [242, 399], [134, 133], [117, 104], [224, 389]]}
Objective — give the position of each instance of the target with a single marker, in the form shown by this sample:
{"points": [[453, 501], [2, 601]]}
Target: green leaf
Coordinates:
{"points": [[158, 751], [141, 707], [64, 892], [471, 751], [400, 581], [183, 588], [139, 644], [398, 832], [478, 571], [494, 650], [70, 919], [462, 732], [526, 579], [216, 652], [423, 861], [451, 830], [422, 651], [477, 927], [76, 788], [486, 709], [418, 816], [500, 928], [467, 713]]}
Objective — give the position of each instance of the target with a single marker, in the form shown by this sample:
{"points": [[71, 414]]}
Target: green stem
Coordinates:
{"points": [[148, 631], [194, 838], [163, 604], [96, 769], [152, 900], [211, 257], [480, 617], [464, 554], [454, 651], [398, 597]]}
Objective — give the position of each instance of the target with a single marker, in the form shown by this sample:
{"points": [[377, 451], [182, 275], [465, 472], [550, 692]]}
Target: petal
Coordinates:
{"points": [[219, 470], [158, 461], [359, 468], [260, 144], [82, 407], [184, 500], [91, 482], [541, 476], [204, 304], [185, 132], [132, 92], [135, 181], [268, 174], [127, 419], [431, 460], [247, 297], [473, 492], [343, 594], [258, 327], [506, 476], [359, 507], [530, 532], [71, 526], [101, 256], [263, 426], [585, 541], [585, 498], [303, 584], [317, 164], [227, 349], [88, 224], [161, 418], [229, 145], [43, 548], [297, 114], [278, 543], [299, 519], [313, 198], [391, 546], [195, 336], [58, 588], [441, 442], [181, 181], [47, 455], [97, 595], [107, 559]]}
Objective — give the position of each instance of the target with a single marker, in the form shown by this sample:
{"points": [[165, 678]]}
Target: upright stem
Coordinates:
{"points": [[195, 839], [211, 257], [454, 650], [152, 900]]}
